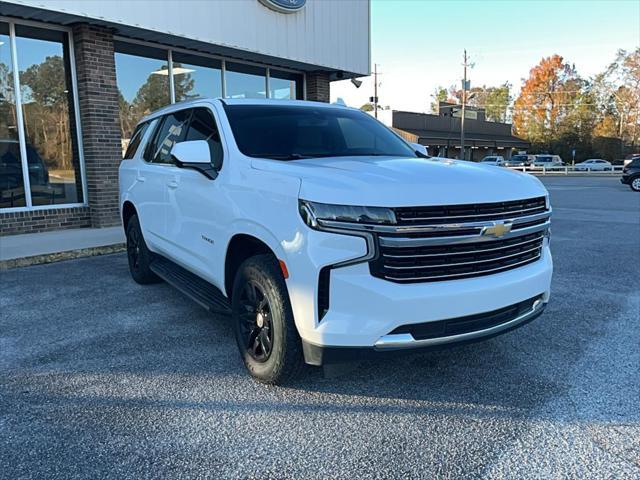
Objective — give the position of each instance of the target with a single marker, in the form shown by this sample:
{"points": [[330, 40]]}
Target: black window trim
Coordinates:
{"points": [[138, 128], [216, 124]]}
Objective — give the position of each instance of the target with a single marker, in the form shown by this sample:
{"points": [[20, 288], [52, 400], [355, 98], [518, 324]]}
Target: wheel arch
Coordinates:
{"points": [[241, 247], [128, 211]]}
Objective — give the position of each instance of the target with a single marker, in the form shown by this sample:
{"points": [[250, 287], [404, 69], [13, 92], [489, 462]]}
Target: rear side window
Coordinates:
{"points": [[172, 130], [136, 138], [203, 127]]}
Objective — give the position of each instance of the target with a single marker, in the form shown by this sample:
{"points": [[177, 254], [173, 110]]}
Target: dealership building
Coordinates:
{"points": [[76, 76]]}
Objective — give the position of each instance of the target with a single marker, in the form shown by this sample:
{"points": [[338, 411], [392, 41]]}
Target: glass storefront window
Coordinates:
{"points": [[245, 81], [46, 95], [142, 75], [11, 178], [285, 85], [195, 76]]}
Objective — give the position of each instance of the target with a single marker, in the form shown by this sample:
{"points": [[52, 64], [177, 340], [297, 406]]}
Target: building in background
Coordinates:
{"points": [[76, 76], [441, 133]]}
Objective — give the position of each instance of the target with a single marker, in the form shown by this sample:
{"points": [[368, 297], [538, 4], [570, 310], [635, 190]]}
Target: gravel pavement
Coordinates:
{"points": [[103, 378]]}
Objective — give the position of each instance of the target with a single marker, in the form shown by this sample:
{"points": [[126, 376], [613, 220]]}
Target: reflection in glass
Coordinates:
{"points": [[11, 179], [195, 76], [46, 94], [284, 85], [245, 81], [142, 75]]}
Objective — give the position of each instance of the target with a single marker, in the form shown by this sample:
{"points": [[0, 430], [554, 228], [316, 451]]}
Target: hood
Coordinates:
{"points": [[397, 182]]}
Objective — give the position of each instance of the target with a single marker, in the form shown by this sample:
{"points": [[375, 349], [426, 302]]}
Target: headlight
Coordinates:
{"points": [[315, 214]]}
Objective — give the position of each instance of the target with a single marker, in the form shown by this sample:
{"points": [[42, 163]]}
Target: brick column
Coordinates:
{"points": [[318, 87], [99, 117]]}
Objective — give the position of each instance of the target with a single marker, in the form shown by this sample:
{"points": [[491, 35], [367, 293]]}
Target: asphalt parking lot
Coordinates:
{"points": [[103, 378]]}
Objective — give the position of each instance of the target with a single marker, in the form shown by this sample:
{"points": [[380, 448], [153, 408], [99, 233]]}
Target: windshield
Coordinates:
{"points": [[287, 132], [518, 158], [489, 159], [544, 159]]}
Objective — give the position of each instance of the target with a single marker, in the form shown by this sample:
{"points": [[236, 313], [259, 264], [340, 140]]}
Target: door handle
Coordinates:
{"points": [[140, 178], [172, 184]]}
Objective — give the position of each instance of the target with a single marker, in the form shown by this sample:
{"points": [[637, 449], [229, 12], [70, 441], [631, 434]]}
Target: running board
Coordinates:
{"points": [[194, 287]]}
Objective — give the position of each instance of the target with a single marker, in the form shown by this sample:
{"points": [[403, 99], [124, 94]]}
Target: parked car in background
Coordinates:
{"points": [[11, 166], [326, 235], [496, 160], [520, 160], [631, 174], [548, 161], [594, 165]]}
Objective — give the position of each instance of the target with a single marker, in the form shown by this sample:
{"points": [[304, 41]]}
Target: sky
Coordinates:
{"points": [[418, 44]]}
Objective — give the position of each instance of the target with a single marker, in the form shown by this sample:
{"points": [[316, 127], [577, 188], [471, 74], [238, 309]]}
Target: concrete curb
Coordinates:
{"points": [[58, 257]]}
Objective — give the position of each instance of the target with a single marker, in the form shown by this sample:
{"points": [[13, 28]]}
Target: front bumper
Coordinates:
{"points": [[392, 345], [625, 179], [365, 310]]}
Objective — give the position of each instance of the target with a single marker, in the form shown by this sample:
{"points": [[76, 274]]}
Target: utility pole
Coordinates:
{"points": [[375, 90], [464, 101]]}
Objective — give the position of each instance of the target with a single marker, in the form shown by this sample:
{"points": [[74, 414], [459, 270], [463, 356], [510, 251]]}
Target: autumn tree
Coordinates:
{"points": [[545, 100]]}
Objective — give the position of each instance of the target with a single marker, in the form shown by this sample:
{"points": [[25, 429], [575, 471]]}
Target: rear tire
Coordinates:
{"points": [[138, 255], [265, 331], [635, 184]]}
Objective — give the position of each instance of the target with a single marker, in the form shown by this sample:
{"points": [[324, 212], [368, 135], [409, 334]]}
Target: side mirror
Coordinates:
{"points": [[420, 149], [196, 155]]}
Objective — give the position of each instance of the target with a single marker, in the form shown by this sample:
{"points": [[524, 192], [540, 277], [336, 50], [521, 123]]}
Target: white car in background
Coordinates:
{"points": [[594, 165], [496, 160], [548, 161]]}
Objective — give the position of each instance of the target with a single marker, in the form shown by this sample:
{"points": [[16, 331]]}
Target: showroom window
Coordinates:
{"points": [[245, 81], [150, 77], [142, 75], [195, 76], [40, 161], [284, 85]]}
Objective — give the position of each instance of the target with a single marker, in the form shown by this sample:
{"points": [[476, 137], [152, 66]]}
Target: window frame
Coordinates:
{"points": [[217, 128], [29, 207], [156, 131]]}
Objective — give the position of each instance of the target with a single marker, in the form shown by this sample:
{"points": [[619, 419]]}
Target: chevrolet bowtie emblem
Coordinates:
{"points": [[497, 230]]}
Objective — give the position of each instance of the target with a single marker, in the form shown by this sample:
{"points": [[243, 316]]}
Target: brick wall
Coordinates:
{"points": [[99, 117], [14, 223], [318, 87]]}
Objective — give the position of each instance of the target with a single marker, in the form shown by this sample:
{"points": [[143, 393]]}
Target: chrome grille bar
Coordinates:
{"points": [[444, 265], [462, 275], [469, 252]]}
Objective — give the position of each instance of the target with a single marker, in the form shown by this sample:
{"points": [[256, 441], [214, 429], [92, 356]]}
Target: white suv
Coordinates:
{"points": [[327, 236]]}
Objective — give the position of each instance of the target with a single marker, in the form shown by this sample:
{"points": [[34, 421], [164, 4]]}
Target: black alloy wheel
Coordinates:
{"points": [[138, 255], [265, 330], [256, 322]]}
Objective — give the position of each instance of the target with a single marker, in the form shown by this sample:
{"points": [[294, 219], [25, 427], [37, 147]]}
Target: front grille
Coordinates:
{"points": [[475, 212], [456, 261], [452, 242], [470, 323]]}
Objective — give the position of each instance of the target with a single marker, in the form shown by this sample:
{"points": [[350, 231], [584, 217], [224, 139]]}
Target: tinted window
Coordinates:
{"points": [[135, 140], [171, 131], [203, 127], [294, 132]]}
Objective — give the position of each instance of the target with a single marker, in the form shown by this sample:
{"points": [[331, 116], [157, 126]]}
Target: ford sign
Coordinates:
{"points": [[284, 6]]}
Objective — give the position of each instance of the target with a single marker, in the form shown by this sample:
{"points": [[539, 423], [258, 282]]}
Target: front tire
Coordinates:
{"points": [[138, 255], [263, 322], [635, 184]]}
